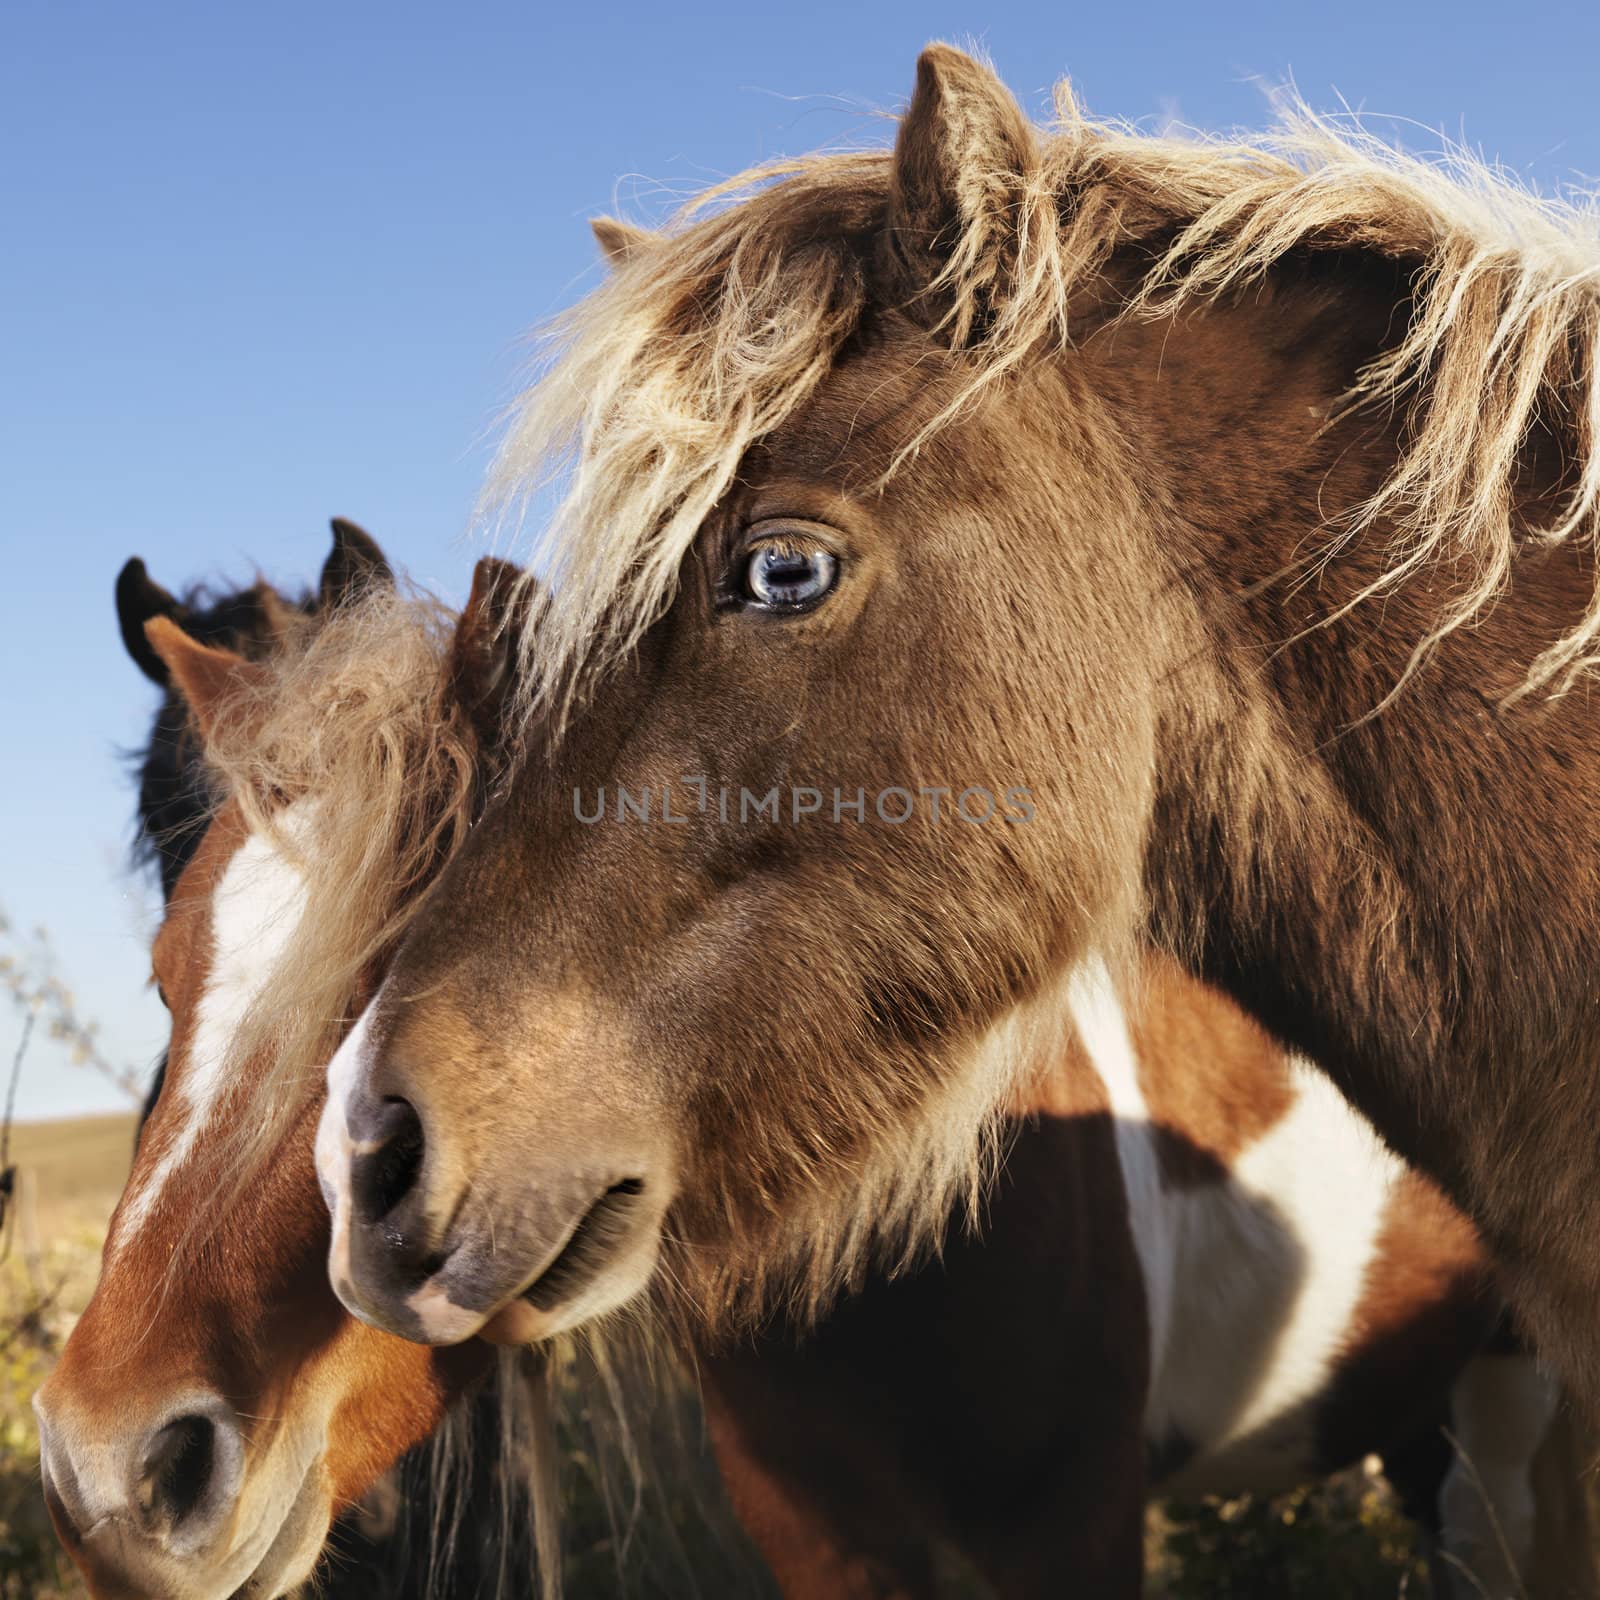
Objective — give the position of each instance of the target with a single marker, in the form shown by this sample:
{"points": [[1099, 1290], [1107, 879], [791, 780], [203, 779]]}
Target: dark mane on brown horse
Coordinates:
{"points": [[174, 794]]}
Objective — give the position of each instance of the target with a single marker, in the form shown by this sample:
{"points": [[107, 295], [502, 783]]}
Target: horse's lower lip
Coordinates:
{"points": [[590, 1246], [307, 1519]]}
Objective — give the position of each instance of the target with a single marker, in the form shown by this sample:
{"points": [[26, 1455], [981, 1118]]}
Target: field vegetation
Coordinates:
{"points": [[1337, 1541], [68, 1176]]}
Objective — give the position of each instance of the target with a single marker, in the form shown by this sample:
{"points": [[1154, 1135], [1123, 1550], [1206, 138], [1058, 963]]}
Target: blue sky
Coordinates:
{"points": [[262, 264]]}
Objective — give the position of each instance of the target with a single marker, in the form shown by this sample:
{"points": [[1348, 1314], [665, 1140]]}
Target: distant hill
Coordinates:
{"points": [[76, 1167]]}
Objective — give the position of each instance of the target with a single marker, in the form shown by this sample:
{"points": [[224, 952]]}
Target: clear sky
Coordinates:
{"points": [[264, 263]]}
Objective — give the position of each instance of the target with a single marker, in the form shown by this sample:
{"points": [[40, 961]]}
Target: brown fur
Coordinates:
{"points": [[1029, 1334], [1212, 1076], [984, 1406], [1427, 1253], [987, 1404], [1429, 1304]]}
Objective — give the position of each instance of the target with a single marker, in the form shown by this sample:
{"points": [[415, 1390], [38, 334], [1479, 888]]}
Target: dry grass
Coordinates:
{"points": [[78, 1166], [69, 1176]]}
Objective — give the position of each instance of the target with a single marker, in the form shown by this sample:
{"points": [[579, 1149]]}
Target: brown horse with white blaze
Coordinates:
{"points": [[394, 1542], [1238, 507], [216, 1407]]}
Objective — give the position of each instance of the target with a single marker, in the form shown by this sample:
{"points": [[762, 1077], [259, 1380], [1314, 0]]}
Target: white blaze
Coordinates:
{"points": [[256, 909]]}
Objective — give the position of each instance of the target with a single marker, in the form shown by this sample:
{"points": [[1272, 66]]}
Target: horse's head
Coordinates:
{"points": [[788, 880], [215, 1406]]}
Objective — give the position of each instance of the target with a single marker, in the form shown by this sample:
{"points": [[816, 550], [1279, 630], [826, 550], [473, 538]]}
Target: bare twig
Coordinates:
{"points": [[28, 976]]}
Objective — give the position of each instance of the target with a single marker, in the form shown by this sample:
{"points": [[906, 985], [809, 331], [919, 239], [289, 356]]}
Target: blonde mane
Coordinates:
{"points": [[710, 335], [352, 725]]}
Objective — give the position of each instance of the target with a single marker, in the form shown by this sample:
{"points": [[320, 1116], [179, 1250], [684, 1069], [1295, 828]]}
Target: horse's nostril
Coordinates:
{"points": [[179, 1463], [390, 1162]]}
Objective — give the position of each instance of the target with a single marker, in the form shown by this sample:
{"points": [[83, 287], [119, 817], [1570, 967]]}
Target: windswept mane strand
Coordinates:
{"points": [[353, 727], [657, 384]]}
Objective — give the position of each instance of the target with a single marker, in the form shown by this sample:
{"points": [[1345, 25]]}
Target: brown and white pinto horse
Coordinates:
{"points": [[1056, 477], [1197, 1269], [215, 1407], [1199, 1273], [390, 1544]]}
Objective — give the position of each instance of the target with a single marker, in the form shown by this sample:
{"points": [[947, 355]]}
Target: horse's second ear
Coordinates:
{"points": [[139, 599], [961, 163], [483, 658], [620, 241], [355, 566], [216, 684]]}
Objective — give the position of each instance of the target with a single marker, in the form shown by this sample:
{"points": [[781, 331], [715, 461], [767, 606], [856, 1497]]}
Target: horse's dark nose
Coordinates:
{"points": [[389, 1146], [422, 1246], [394, 1231]]}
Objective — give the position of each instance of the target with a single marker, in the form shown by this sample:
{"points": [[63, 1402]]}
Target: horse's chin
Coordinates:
{"points": [[289, 1559], [625, 1277], [296, 1548]]}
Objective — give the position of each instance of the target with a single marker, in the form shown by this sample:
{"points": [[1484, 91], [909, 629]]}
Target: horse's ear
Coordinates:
{"points": [[278, 617], [139, 599], [483, 655], [961, 163], [355, 566], [620, 241], [214, 683]]}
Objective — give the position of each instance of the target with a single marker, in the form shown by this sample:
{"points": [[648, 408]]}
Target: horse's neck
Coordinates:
{"points": [[1410, 897]]}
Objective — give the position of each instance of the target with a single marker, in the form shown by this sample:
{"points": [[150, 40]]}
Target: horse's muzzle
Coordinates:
{"points": [[427, 1248], [153, 1505]]}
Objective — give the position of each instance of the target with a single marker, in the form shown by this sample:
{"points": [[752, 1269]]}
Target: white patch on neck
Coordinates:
{"points": [[1308, 1202], [1102, 1026], [1252, 1283], [256, 909]]}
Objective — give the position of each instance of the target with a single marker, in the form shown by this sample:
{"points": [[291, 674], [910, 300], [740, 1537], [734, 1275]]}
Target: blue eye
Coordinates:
{"points": [[787, 575]]}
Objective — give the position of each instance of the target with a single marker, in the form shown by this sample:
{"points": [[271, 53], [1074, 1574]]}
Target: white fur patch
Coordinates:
{"points": [[1103, 1029], [335, 1149], [1251, 1282], [1275, 1266], [256, 909]]}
